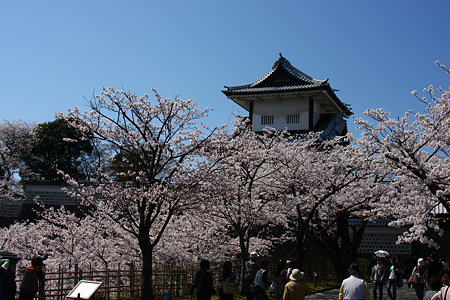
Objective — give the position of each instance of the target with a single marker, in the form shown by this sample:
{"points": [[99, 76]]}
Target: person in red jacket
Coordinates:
{"points": [[33, 280]]}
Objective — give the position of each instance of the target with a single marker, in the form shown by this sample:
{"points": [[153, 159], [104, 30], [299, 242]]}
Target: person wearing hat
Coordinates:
{"points": [[419, 273], [354, 287], [296, 289]]}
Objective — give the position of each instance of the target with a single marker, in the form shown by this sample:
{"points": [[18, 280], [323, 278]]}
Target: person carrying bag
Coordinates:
{"points": [[416, 279]]}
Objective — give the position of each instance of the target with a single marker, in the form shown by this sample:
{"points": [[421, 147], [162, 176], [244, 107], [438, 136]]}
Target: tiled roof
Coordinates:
{"points": [[248, 89], [285, 78], [375, 223], [286, 65], [293, 79]]}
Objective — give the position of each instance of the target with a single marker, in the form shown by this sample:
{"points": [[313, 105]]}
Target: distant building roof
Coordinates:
{"points": [[376, 223], [286, 78], [10, 208], [49, 194]]}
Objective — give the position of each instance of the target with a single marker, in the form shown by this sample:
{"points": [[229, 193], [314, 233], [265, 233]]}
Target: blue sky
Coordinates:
{"points": [[56, 54]]}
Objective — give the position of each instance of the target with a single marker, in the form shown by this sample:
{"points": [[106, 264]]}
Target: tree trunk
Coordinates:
{"points": [[244, 258], [341, 264], [147, 269], [300, 251], [342, 249]]}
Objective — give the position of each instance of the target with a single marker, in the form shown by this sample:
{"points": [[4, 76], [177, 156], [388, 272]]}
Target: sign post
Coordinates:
{"points": [[84, 289]]}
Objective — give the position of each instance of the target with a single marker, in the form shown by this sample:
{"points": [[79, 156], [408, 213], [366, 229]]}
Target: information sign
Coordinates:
{"points": [[84, 289]]}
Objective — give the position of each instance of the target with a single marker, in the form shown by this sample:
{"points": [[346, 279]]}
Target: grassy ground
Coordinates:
{"points": [[319, 287]]}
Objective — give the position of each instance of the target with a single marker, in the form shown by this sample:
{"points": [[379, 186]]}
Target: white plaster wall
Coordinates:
{"points": [[280, 109]]}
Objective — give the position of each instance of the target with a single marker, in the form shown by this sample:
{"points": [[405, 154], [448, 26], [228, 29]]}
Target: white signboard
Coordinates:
{"points": [[85, 289]]}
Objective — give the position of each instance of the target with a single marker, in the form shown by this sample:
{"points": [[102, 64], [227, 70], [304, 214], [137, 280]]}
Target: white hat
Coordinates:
{"points": [[296, 275], [254, 255], [420, 262]]}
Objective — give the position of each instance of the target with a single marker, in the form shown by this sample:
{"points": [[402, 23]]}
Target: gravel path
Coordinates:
{"points": [[402, 294]]}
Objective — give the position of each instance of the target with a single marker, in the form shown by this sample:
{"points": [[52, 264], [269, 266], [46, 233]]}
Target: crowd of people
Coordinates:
{"points": [[289, 283], [429, 278]]}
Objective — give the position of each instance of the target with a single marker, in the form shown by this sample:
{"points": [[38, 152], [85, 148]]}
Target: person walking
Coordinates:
{"points": [[227, 285], [419, 273], [283, 279], [203, 285], [296, 289], [354, 287], [251, 268], [261, 281], [378, 278], [394, 275]]}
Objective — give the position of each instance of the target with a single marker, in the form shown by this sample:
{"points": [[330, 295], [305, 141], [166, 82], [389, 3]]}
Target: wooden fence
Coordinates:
{"points": [[124, 281], [120, 282]]}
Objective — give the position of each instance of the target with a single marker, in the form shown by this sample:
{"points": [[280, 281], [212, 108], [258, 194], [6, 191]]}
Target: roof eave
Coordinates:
{"points": [[345, 109]]}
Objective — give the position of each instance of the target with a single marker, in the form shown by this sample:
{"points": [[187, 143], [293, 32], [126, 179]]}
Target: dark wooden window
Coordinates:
{"points": [[293, 119], [267, 120]]}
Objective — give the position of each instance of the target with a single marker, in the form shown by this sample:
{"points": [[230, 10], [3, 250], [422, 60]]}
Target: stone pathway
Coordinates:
{"points": [[402, 294]]}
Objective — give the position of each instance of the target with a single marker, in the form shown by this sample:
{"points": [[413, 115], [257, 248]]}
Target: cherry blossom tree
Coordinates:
{"points": [[67, 239], [14, 238], [201, 237], [240, 188], [415, 150], [324, 184], [160, 143]]}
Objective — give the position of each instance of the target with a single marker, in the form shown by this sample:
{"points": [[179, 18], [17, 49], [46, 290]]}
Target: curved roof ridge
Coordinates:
{"points": [[291, 69], [282, 62], [263, 78]]}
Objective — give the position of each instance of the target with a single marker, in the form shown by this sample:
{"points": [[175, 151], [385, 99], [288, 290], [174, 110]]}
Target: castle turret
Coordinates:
{"points": [[288, 99]]}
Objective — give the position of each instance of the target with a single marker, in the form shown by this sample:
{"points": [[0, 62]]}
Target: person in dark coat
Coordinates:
{"points": [[203, 285], [283, 279], [33, 280], [227, 276]]}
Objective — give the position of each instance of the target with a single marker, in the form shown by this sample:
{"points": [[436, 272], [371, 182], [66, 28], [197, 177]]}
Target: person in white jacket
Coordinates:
{"points": [[354, 287]]}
